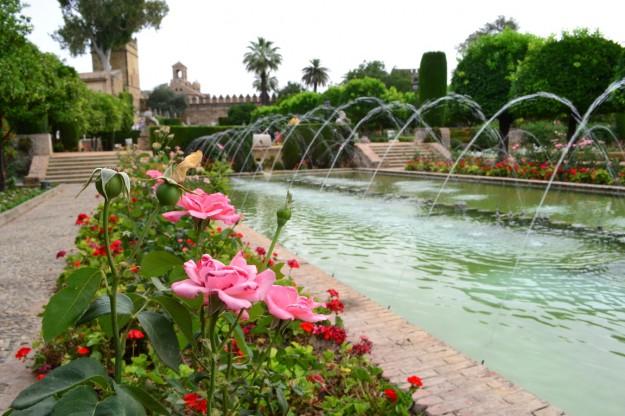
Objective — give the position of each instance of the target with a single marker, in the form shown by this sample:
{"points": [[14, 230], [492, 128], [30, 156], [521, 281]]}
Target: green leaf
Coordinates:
{"points": [[239, 336], [102, 306], [111, 406], [145, 399], [60, 379], [43, 408], [158, 263], [68, 304], [160, 331], [179, 313], [80, 401], [130, 405], [284, 406]]}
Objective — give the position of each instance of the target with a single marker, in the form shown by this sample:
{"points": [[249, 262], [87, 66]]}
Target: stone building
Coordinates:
{"points": [[203, 108], [123, 77]]}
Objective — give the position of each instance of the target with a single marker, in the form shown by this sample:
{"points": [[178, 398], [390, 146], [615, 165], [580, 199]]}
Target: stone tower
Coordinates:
{"points": [[180, 84], [126, 60]]}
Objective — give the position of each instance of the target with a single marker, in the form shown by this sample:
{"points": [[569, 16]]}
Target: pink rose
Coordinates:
{"points": [[201, 205], [237, 285], [154, 174], [284, 303]]}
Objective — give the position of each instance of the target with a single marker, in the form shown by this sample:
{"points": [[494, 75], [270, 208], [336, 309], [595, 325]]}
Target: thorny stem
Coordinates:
{"points": [[112, 292]]}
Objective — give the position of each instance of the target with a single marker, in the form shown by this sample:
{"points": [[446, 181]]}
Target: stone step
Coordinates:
{"points": [[65, 162], [83, 166]]}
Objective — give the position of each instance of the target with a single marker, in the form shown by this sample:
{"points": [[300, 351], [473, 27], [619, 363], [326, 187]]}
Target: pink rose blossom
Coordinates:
{"points": [[237, 285], [204, 206], [285, 303], [154, 174]]}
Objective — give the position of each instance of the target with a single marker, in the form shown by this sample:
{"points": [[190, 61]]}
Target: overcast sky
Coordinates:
{"points": [[210, 37]]}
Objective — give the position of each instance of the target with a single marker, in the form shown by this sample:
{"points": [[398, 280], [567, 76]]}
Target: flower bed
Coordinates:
{"points": [[13, 197], [163, 310]]}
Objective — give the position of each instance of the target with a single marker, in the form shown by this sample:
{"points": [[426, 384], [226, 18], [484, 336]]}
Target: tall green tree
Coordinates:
{"points": [[291, 88], [22, 83], [499, 25], [578, 66], [105, 25], [433, 84], [315, 74], [486, 70], [401, 79], [261, 59]]}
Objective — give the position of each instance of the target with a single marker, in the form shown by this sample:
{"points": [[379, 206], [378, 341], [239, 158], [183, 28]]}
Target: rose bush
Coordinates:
{"points": [[154, 316]]}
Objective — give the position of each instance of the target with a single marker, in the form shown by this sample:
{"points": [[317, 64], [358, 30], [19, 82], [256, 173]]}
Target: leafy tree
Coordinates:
{"points": [[400, 79], [579, 66], [105, 25], [166, 100], [22, 84], [261, 58], [372, 69], [485, 72], [499, 25], [315, 74], [291, 88]]}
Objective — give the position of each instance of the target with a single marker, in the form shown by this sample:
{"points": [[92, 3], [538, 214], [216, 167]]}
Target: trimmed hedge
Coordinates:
{"points": [[323, 150], [184, 135], [433, 84]]}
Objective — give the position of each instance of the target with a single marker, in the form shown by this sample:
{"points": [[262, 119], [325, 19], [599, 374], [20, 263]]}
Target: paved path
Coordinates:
{"points": [[28, 273], [455, 385]]}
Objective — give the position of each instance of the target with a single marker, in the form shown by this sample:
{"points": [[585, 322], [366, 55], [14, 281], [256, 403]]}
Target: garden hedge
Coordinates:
{"points": [[184, 135]]}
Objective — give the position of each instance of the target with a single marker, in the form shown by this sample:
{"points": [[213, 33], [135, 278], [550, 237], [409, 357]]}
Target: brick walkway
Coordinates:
{"points": [[28, 273], [455, 385]]}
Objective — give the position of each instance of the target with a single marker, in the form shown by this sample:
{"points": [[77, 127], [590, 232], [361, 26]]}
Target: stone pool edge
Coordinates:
{"points": [[455, 385]]}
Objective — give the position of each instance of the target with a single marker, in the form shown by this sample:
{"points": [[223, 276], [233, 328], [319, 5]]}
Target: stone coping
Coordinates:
{"points": [[491, 180], [455, 385], [21, 209]]}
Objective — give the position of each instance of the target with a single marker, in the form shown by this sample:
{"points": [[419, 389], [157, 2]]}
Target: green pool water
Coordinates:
{"points": [[545, 309]]}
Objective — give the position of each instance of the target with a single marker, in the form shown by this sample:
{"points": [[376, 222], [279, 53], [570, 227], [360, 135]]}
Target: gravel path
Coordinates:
{"points": [[28, 273]]}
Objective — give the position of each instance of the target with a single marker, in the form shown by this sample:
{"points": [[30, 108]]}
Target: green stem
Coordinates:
{"points": [[112, 293], [213, 361], [198, 237], [272, 245], [226, 399]]}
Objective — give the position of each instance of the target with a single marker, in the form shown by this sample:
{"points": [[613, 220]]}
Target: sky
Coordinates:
{"points": [[210, 37]]}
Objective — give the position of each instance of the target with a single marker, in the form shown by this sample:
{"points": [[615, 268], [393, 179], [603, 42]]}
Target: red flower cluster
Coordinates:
{"points": [[293, 264], [113, 219], [317, 379], [415, 381], [22, 353], [363, 347], [330, 333], [307, 327], [193, 401], [83, 351], [336, 306], [61, 253], [82, 219], [391, 395], [333, 293], [116, 248], [261, 251], [135, 334], [248, 328]]}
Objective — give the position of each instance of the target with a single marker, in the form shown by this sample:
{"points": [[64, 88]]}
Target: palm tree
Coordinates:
{"points": [[315, 74], [262, 58], [272, 84]]}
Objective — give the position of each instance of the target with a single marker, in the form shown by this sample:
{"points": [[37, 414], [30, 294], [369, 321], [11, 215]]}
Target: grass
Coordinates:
{"points": [[11, 198]]}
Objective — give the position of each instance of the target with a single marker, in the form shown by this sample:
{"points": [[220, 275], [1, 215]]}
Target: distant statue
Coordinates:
{"points": [[342, 119]]}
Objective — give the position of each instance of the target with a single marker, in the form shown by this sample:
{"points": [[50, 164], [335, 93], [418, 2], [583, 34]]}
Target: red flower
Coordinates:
{"points": [[363, 347], [135, 334], [391, 395], [82, 351], [335, 305], [76, 263], [293, 264], [116, 247], [133, 200], [248, 328], [113, 219], [307, 327], [333, 293], [195, 402], [316, 378], [415, 381], [40, 376], [190, 242], [261, 251], [219, 230], [271, 263], [99, 251], [61, 253], [22, 353], [331, 333], [134, 268], [82, 219]]}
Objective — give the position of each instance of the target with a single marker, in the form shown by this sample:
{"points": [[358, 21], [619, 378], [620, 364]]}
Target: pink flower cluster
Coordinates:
{"points": [[198, 204]]}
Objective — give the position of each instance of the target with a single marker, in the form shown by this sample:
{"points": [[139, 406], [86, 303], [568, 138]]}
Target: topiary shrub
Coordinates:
{"points": [[433, 84]]}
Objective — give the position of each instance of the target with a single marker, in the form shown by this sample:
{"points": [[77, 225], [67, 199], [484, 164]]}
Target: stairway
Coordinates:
{"points": [[396, 154], [77, 167]]}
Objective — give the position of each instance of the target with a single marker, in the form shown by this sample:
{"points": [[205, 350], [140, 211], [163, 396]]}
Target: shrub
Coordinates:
{"points": [[433, 84], [323, 151], [184, 135]]}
